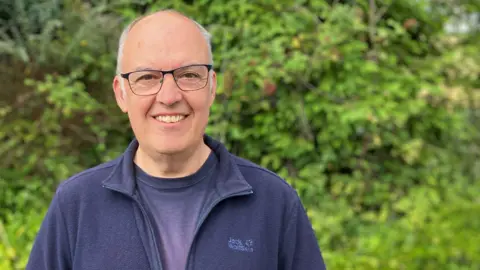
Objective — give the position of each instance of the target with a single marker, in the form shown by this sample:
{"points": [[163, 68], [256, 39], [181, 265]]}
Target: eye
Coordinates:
{"points": [[189, 75], [146, 77]]}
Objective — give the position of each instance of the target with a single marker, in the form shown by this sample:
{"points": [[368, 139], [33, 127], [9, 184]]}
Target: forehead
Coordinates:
{"points": [[164, 41]]}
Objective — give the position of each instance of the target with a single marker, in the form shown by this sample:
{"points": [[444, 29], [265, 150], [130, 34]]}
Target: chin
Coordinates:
{"points": [[169, 149], [169, 146]]}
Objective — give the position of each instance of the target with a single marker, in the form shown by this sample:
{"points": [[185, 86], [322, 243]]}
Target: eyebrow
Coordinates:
{"points": [[142, 68]]}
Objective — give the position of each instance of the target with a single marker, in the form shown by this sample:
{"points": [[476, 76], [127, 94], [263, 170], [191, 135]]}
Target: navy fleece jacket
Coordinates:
{"points": [[252, 220]]}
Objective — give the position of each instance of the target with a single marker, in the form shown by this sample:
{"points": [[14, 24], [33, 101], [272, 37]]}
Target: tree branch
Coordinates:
{"points": [[382, 12], [372, 27]]}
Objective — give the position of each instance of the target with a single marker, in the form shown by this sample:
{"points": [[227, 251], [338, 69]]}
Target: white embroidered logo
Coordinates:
{"points": [[239, 245]]}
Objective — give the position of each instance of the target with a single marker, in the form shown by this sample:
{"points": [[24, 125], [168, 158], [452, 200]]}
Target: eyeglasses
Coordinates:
{"points": [[149, 82]]}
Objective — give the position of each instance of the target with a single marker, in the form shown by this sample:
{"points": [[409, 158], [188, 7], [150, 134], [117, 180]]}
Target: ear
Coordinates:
{"points": [[213, 87], [120, 93]]}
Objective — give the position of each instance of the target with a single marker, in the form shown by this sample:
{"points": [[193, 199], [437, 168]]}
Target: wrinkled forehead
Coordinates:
{"points": [[164, 42]]}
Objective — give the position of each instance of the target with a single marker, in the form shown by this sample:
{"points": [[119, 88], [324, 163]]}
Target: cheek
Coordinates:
{"points": [[138, 108], [200, 104]]}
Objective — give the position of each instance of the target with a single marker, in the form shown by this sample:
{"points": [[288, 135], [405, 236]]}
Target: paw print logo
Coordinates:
{"points": [[249, 243]]}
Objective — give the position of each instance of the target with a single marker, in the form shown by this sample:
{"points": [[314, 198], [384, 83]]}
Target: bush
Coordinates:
{"points": [[369, 110], [17, 233]]}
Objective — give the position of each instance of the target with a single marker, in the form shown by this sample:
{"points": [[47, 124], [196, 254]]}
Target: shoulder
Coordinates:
{"points": [[87, 180], [263, 180], [254, 171]]}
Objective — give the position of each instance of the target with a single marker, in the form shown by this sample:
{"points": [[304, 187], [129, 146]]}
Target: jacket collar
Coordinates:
{"points": [[230, 180]]}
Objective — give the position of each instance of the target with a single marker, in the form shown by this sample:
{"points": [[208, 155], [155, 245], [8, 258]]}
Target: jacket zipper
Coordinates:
{"points": [[205, 215], [157, 262]]}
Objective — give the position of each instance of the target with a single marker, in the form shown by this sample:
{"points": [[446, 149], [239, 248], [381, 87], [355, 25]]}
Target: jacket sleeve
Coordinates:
{"points": [[51, 249], [299, 248]]}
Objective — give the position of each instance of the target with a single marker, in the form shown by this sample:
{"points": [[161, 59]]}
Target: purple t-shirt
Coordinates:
{"points": [[174, 206]]}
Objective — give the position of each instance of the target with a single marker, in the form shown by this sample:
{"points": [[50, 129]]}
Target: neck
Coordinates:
{"points": [[172, 165]]}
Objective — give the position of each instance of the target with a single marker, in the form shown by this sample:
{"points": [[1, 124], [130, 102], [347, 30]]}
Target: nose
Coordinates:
{"points": [[169, 94]]}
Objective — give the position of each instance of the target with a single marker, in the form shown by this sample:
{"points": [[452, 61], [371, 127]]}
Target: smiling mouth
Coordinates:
{"points": [[170, 118]]}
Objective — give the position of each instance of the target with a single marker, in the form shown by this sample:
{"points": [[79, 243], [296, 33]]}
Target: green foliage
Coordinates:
{"points": [[55, 118], [369, 109], [17, 232], [54, 123], [52, 34]]}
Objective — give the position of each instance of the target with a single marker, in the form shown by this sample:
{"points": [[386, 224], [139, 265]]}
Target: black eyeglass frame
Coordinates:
{"points": [[165, 72]]}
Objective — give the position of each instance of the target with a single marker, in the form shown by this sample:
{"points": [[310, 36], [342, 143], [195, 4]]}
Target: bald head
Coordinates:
{"points": [[165, 24]]}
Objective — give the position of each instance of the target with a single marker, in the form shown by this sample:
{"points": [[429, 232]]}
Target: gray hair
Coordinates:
{"points": [[126, 30]]}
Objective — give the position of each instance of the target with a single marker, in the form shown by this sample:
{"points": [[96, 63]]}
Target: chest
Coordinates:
{"points": [[109, 239], [233, 235]]}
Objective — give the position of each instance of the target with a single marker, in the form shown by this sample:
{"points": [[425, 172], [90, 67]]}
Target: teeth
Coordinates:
{"points": [[170, 118]]}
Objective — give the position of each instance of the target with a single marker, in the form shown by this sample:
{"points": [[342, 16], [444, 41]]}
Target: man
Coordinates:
{"points": [[176, 199]]}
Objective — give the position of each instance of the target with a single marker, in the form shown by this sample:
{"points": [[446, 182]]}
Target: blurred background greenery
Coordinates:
{"points": [[370, 109]]}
